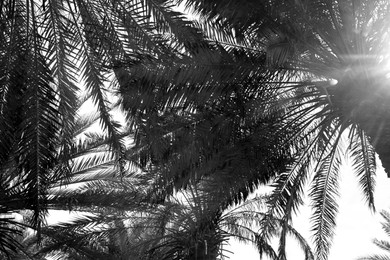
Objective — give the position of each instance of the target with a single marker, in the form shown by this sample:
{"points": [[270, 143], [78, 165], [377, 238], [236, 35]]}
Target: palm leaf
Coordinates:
{"points": [[364, 162], [324, 194]]}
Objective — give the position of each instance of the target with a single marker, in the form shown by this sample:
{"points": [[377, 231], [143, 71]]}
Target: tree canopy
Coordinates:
{"points": [[245, 94]]}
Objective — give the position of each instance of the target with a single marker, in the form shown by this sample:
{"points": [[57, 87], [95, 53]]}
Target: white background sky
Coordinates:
{"points": [[356, 224]]}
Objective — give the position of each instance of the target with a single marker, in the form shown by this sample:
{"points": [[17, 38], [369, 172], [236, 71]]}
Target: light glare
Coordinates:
{"points": [[333, 82]]}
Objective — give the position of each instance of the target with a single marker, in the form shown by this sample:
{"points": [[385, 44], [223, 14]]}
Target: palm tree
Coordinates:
{"points": [[381, 243], [272, 70], [320, 64], [46, 49]]}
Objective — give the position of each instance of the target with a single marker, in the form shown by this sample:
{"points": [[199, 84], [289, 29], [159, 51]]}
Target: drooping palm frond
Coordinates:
{"points": [[35, 125], [242, 222], [63, 68], [324, 194], [38, 136], [364, 161]]}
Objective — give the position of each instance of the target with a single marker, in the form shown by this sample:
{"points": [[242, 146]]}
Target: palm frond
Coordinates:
{"points": [[364, 162], [266, 249], [286, 196], [39, 128], [309, 255], [382, 244], [324, 193], [386, 224], [61, 62]]}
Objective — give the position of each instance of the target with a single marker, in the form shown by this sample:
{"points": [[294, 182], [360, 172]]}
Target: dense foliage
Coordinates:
{"points": [[245, 94]]}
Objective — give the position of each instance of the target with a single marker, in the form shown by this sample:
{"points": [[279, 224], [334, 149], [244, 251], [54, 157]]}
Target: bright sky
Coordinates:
{"points": [[356, 224]]}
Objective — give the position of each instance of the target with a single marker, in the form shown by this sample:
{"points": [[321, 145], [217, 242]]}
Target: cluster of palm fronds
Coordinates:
{"points": [[122, 214], [249, 93]]}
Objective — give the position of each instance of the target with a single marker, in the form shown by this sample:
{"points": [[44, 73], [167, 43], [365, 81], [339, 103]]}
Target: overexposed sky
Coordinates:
{"points": [[356, 224]]}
